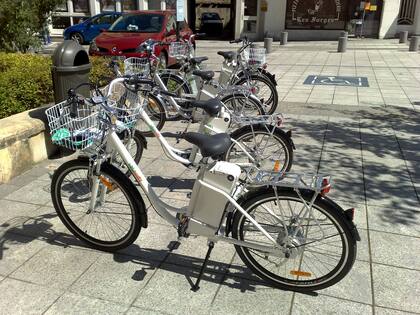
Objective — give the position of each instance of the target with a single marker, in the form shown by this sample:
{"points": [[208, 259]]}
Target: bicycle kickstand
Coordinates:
{"points": [[196, 287]]}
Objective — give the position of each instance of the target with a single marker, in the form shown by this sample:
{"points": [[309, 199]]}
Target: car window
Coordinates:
{"points": [[104, 19], [171, 25], [144, 23]]}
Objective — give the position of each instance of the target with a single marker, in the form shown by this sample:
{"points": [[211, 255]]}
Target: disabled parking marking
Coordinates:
{"points": [[337, 81]]}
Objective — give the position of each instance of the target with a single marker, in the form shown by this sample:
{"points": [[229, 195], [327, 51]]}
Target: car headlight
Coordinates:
{"points": [[93, 46]]}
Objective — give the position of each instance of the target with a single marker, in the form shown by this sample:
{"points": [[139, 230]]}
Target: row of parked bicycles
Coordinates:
{"points": [[282, 224]]}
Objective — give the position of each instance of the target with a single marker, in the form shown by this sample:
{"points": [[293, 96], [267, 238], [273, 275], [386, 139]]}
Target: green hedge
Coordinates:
{"points": [[25, 81]]}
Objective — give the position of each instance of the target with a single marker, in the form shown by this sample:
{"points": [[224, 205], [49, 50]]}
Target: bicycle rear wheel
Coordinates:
{"points": [[116, 220], [322, 248], [135, 144], [270, 151], [243, 105]]}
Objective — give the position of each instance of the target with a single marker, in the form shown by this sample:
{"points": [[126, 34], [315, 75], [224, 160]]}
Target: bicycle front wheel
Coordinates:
{"points": [[156, 112], [321, 247], [115, 221]]}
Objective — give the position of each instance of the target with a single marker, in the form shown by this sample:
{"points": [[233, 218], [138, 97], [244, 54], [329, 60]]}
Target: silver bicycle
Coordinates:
{"points": [[282, 225]]}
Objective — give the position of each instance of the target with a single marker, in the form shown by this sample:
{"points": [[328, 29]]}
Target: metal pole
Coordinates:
{"points": [[403, 37], [268, 44], [414, 43], [342, 44], [284, 38]]}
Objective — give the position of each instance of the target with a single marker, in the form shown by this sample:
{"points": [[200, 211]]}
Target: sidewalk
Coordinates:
{"points": [[371, 150]]}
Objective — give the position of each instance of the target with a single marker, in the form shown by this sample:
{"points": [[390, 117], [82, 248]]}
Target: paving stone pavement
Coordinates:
{"points": [[371, 152]]}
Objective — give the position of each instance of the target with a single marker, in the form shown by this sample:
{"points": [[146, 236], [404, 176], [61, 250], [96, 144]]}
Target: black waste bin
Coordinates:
{"points": [[70, 67]]}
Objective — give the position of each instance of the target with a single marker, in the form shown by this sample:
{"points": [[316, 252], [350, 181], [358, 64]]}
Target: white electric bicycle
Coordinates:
{"points": [[282, 225]]}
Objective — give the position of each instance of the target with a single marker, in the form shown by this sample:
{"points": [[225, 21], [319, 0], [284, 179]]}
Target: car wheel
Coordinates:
{"points": [[163, 61], [77, 37]]}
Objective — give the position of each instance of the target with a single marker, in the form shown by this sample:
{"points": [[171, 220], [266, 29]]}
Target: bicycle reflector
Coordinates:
{"points": [[326, 186], [300, 273], [277, 166]]}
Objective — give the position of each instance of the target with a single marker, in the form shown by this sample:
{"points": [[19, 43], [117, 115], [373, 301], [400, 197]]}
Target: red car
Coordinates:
{"points": [[124, 37]]}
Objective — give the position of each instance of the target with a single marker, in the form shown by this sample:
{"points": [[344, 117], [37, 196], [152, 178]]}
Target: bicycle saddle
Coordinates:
{"points": [[229, 55], [210, 146], [205, 75], [211, 106], [198, 60]]}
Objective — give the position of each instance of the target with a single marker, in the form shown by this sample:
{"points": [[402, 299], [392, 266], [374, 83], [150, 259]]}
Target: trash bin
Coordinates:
{"points": [[70, 67]]}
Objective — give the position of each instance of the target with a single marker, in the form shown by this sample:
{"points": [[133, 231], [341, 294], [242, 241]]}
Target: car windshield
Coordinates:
{"points": [[210, 16], [140, 23]]}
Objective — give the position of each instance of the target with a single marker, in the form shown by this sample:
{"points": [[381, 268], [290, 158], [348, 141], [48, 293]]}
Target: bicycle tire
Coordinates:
{"points": [[250, 132], [157, 113], [271, 104], [117, 178], [182, 87], [140, 144], [256, 107], [322, 204]]}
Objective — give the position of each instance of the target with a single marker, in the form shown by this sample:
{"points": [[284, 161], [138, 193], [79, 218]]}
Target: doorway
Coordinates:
{"points": [[215, 18], [368, 12]]}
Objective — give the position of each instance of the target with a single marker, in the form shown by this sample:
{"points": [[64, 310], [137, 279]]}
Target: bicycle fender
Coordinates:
{"points": [[269, 75], [349, 222]]}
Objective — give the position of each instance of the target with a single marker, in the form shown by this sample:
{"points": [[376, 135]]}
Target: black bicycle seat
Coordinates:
{"points": [[229, 55], [198, 60], [211, 106], [210, 146], [205, 75]]}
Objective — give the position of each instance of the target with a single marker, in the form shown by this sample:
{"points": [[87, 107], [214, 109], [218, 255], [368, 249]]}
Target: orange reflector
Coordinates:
{"points": [[107, 183], [277, 166], [300, 273]]}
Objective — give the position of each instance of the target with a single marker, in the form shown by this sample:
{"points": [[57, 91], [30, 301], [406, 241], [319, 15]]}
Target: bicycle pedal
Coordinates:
{"points": [[182, 226]]}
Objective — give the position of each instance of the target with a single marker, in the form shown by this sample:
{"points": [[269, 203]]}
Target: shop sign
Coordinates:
{"points": [[316, 12], [264, 6], [337, 81], [180, 17]]}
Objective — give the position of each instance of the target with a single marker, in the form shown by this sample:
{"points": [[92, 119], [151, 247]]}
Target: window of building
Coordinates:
{"points": [[251, 7], [129, 5], [153, 4], [60, 22], [81, 6], [107, 5], [62, 7], [317, 14], [407, 12], [170, 4]]}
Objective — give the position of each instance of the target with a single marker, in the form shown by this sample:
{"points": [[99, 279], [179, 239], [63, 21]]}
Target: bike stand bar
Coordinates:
{"points": [[196, 287]]}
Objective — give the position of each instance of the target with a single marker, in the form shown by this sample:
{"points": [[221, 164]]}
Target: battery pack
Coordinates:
{"points": [[207, 206]]}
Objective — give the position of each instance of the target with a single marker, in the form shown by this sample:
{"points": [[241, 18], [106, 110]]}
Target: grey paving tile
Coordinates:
{"points": [[356, 286], [6, 189], [37, 192], [20, 297], [71, 303], [234, 291], [15, 250], [305, 304], [179, 280], [388, 311], [385, 246], [116, 278], [141, 311], [396, 288], [56, 266]]}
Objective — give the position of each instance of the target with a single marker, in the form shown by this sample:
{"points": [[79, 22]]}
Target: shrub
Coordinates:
{"points": [[25, 81]]}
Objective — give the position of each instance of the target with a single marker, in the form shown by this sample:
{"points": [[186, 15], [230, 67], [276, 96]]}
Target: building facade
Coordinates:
{"points": [[302, 19]]}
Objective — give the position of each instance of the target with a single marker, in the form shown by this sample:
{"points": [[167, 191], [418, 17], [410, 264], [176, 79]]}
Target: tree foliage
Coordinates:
{"points": [[21, 22]]}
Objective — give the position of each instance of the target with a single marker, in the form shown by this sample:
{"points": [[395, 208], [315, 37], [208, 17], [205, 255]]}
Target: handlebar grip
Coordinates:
{"points": [[236, 41], [138, 80], [72, 99]]}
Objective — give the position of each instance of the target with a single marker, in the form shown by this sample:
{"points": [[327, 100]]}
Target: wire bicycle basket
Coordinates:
{"points": [[254, 57], [75, 133], [136, 66], [178, 50]]}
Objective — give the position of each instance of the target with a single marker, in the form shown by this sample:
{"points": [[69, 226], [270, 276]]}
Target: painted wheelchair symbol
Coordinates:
{"points": [[337, 81]]}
